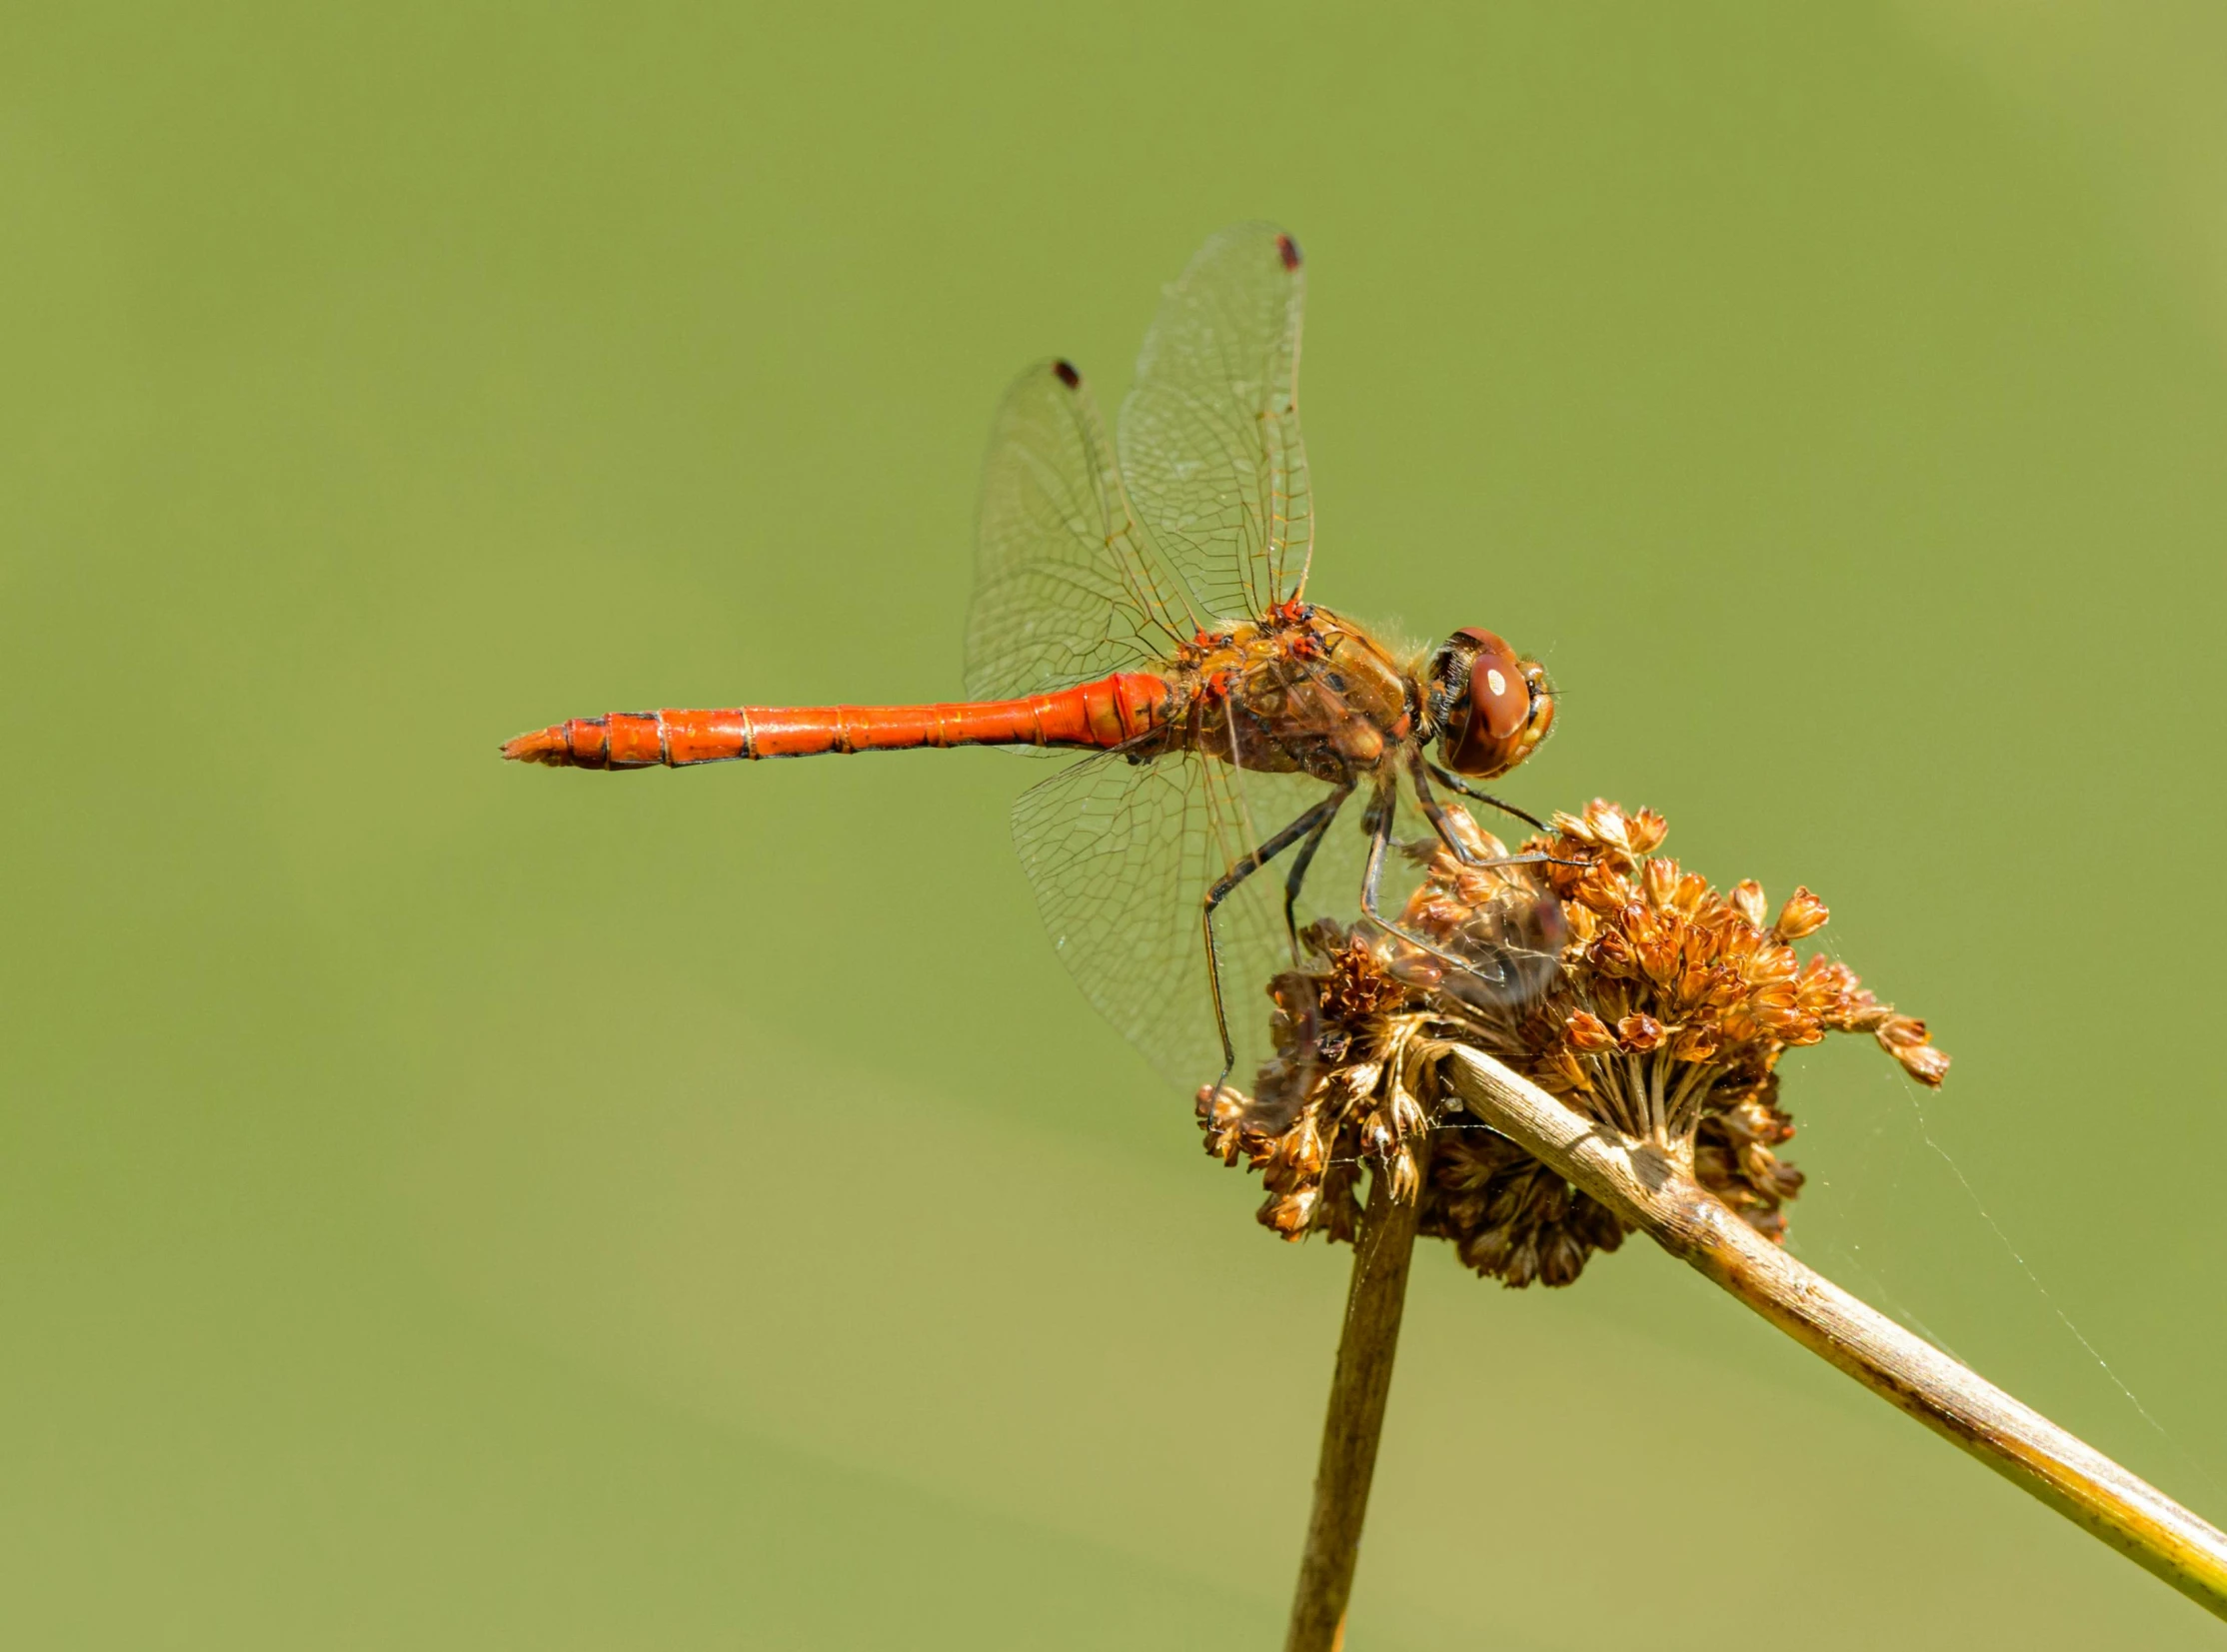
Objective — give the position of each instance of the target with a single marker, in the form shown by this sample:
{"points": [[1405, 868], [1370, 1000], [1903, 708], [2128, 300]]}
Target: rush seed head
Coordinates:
{"points": [[1632, 988]]}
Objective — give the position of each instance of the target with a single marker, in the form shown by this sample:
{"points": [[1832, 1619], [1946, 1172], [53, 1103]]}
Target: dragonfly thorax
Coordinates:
{"points": [[1300, 690]]}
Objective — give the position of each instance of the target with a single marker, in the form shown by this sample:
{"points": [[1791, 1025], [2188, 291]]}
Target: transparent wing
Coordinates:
{"points": [[1065, 588], [1117, 853], [1121, 855], [1210, 450]]}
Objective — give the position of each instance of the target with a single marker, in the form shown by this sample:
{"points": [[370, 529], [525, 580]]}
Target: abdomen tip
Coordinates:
{"points": [[542, 745]]}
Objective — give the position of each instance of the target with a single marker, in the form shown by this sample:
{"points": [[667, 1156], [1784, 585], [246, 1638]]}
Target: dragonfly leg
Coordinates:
{"points": [[1309, 826], [1456, 783], [1296, 878], [1418, 773], [1437, 815], [1379, 824]]}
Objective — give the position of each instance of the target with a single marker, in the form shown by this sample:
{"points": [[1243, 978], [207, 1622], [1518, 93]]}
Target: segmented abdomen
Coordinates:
{"points": [[1098, 715]]}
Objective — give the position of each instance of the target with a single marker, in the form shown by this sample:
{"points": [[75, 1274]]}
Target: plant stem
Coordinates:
{"points": [[1652, 1191], [1366, 1347]]}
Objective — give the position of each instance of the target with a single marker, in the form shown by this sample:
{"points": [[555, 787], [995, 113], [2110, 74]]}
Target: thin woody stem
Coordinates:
{"points": [[1356, 1415], [1652, 1191]]}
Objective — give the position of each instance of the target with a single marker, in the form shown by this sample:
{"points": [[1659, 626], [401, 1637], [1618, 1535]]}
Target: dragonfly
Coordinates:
{"points": [[1144, 600]]}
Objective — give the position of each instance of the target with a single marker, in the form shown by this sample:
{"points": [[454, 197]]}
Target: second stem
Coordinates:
{"points": [[1373, 1302]]}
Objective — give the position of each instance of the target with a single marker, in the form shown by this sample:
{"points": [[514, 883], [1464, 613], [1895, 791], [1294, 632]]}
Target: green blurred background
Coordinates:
{"points": [[449, 1205]]}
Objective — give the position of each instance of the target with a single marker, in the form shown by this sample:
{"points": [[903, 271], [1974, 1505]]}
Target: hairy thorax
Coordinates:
{"points": [[1299, 690]]}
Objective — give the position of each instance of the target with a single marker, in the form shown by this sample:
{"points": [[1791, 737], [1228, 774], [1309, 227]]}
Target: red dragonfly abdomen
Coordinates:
{"points": [[1098, 715]]}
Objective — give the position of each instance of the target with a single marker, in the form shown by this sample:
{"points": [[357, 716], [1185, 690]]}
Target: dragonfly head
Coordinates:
{"points": [[1490, 707]]}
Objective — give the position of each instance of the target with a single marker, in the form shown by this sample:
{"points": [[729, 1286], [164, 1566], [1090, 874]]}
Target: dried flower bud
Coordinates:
{"points": [[1567, 1073], [1771, 966], [1405, 1114], [1692, 987], [1645, 831], [1747, 900], [1602, 890], [1339, 1217], [1589, 1033], [1660, 881], [1561, 1257], [1900, 1033], [1358, 1081], [1749, 1119], [1924, 1064], [1661, 960], [1301, 1151], [1638, 1035], [1611, 954], [1222, 1115], [1440, 913], [1608, 824], [1827, 986], [1417, 970], [1461, 827], [1290, 1214], [1803, 915], [1769, 1174], [1406, 1180], [1377, 1139]]}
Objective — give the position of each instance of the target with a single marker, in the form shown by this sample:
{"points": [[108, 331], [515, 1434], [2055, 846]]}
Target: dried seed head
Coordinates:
{"points": [[1630, 988]]}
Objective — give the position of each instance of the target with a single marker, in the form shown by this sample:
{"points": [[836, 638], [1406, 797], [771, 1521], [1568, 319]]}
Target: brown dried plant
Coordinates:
{"points": [[1632, 990]]}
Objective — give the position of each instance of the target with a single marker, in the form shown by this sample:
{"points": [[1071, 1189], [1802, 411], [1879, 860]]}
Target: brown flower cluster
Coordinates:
{"points": [[1630, 989]]}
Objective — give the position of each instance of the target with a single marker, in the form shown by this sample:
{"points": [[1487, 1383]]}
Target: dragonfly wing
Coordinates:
{"points": [[1122, 855], [1065, 588], [1209, 436]]}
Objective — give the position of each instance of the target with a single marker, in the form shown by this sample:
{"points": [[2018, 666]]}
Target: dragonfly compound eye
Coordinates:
{"points": [[1505, 713]]}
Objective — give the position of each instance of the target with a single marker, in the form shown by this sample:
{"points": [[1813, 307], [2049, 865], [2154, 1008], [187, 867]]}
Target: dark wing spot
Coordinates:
{"points": [[1068, 374], [1288, 250]]}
